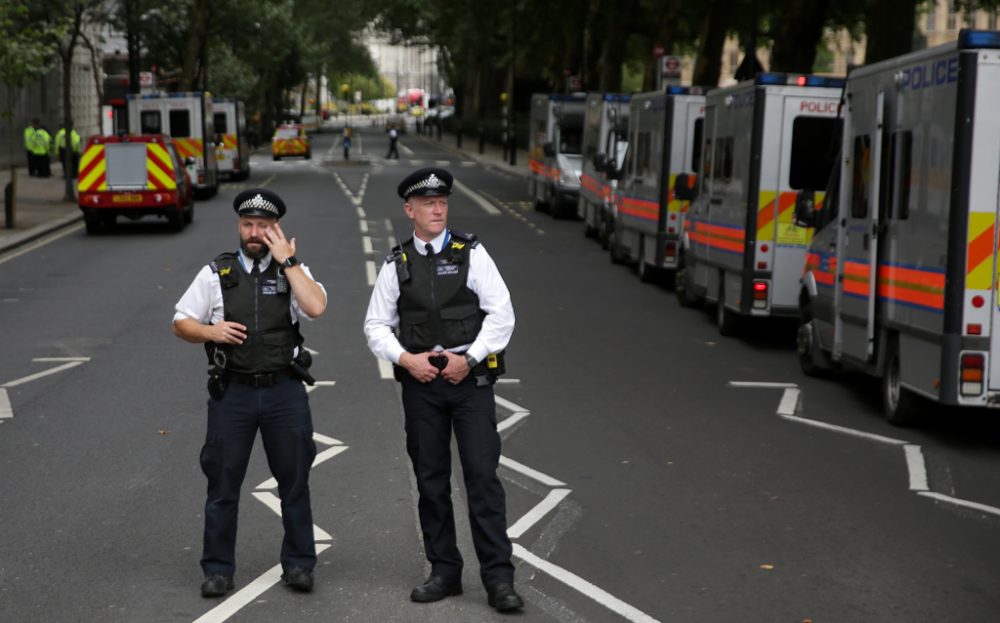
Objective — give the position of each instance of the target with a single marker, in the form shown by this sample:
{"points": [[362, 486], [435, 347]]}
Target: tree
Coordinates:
{"points": [[24, 58]]}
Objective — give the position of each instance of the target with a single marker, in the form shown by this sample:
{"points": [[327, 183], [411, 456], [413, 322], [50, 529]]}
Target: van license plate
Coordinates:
{"points": [[126, 198]]}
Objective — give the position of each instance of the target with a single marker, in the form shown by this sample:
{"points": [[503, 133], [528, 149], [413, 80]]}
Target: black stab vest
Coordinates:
{"points": [[435, 305], [263, 305]]}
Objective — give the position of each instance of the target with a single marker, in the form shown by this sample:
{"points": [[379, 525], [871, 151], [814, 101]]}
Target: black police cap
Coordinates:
{"points": [[259, 202], [426, 182]]}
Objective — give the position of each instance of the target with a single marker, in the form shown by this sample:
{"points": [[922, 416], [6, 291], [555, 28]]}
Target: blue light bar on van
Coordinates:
{"points": [[978, 39], [155, 96], [679, 90], [616, 97], [801, 80], [555, 97]]}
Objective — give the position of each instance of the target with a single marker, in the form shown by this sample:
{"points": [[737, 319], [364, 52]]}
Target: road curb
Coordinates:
{"points": [[481, 160], [36, 232]]}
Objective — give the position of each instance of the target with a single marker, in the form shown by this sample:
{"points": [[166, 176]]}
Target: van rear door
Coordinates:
{"points": [[126, 166]]}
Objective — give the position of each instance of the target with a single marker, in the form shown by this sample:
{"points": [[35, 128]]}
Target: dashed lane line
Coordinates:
{"points": [[916, 466], [5, 410], [71, 362], [540, 510], [488, 207]]}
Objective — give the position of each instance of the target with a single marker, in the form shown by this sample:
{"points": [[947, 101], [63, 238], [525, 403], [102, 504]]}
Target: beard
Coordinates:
{"points": [[252, 254]]}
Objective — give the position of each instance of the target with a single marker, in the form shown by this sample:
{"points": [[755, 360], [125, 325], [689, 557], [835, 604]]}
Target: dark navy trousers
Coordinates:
{"points": [[282, 414], [432, 411]]}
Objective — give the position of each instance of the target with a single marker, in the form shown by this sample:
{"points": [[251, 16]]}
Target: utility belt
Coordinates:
{"points": [[219, 376], [264, 379], [485, 372]]}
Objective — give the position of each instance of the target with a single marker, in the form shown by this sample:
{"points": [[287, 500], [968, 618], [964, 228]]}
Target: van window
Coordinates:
{"points": [[642, 155], [861, 175], [815, 141], [149, 122], [220, 123], [180, 123], [570, 140], [699, 126], [901, 148], [724, 159]]}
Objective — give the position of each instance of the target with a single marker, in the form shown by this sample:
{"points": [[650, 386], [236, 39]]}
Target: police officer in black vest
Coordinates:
{"points": [[245, 307], [441, 312]]}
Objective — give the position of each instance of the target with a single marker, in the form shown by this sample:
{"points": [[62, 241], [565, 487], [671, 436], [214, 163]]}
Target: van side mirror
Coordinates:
{"points": [[612, 172], [190, 161], [549, 149], [601, 162], [805, 208], [684, 187]]}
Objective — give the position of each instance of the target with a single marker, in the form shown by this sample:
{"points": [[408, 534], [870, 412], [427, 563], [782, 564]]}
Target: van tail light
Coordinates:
{"points": [[760, 295], [670, 250], [973, 370]]}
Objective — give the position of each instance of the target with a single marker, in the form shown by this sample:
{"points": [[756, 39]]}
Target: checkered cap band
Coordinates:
{"points": [[432, 181], [258, 202]]}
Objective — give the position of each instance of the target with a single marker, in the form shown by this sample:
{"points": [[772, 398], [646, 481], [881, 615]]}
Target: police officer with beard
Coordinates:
{"points": [[441, 312], [245, 307]]}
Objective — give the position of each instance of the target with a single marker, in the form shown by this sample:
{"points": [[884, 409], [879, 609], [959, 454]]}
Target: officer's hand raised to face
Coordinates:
{"points": [[281, 248], [419, 366]]}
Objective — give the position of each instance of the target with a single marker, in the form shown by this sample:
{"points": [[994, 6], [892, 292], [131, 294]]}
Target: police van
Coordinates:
{"points": [[664, 141], [901, 277], [232, 149], [764, 140], [188, 119], [604, 128], [555, 151]]}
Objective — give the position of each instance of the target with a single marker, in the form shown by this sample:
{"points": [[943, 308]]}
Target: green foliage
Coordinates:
{"points": [[25, 51]]}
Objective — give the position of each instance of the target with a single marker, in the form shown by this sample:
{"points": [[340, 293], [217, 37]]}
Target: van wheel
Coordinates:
{"points": [[900, 405], [277, 158], [93, 225], [615, 246], [175, 220], [189, 213], [813, 360], [682, 288], [604, 231], [727, 320]]}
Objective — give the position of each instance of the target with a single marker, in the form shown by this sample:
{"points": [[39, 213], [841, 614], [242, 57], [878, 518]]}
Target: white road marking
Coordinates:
{"points": [[385, 370], [508, 381], [548, 481], [361, 212], [512, 420], [506, 404], [845, 430], [760, 384], [574, 581], [28, 248], [330, 441], [789, 400], [50, 359], [466, 163], [311, 388], [443, 163], [363, 226], [483, 203], [274, 503], [43, 373], [370, 272], [5, 409], [366, 245], [534, 515], [403, 148], [248, 593], [916, 467], [956, 501]]}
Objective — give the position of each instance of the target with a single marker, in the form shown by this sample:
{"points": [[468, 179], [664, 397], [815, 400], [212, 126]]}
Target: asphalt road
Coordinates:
{"points": [[643, 484]]}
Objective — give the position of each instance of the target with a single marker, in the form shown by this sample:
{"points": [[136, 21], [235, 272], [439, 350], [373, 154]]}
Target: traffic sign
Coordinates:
{"points": [[658, 50]]}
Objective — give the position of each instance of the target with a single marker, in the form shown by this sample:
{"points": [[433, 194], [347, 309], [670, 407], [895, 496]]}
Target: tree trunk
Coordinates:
{"points": [[193, 48], [890, 25], [67, 67], [710, 42], [797, 33]]}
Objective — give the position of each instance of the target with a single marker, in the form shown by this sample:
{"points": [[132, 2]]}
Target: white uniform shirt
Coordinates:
{"points": [[484, 279], [203, 299]]}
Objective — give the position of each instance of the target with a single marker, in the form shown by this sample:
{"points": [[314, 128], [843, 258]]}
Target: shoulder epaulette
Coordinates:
{"points": [[471, 239], [224, 265], [395, 255]]}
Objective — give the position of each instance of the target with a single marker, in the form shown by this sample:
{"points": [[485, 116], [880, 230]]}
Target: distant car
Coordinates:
{"points": [[135, 176], [290, 140], [311, 123]]}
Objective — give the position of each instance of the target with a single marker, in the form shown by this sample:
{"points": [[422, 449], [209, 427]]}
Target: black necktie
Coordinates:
{"points": [[430, 249], [256, 269]]}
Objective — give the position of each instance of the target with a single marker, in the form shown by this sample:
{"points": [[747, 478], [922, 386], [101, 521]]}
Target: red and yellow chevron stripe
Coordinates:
{"points": [[93, 170], [979, 258], [189, 147]]}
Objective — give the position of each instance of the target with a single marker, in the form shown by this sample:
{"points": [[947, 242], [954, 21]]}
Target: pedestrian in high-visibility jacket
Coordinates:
{"points": [[74, 150], [37, 143]]}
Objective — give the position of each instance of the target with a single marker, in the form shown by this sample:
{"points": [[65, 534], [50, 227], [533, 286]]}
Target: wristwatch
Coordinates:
{"points": [[469, 359], [290, 261]]}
